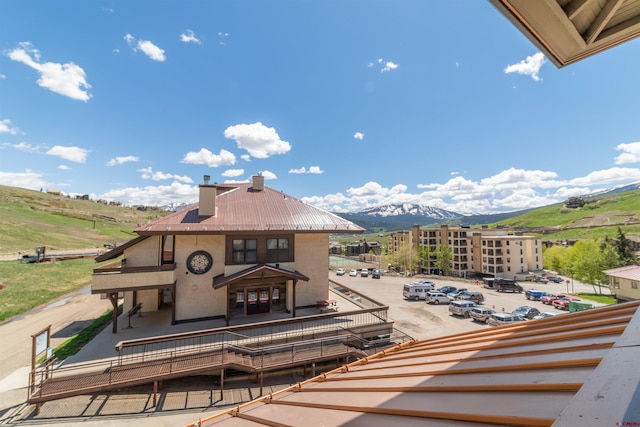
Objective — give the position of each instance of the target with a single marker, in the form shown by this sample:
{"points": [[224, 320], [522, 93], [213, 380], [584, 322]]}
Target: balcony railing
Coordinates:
{"points": [[118, 275]]}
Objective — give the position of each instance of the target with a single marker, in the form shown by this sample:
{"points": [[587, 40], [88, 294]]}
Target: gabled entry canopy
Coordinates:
{"points": [[259, 273]]}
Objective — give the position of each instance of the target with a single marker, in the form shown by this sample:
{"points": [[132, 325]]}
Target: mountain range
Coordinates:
{"points": [[395, 217]]}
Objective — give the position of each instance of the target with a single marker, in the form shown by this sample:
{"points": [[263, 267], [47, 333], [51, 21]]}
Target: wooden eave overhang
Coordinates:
{"points": [[567, 31], [262, 272], [119, 250]]}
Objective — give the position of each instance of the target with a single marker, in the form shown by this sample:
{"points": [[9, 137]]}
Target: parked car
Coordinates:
{"points": [[437, 298], [461, 308], [507, 286], [540, 279], [526, 311], [340, 272], [555, 279], [454, 294], [364, 272], [545, 314], [548, 299], [481, 314], [476, 297], [375, 274], [563, 303], [447, 289], [353, 272], [499, 319]]}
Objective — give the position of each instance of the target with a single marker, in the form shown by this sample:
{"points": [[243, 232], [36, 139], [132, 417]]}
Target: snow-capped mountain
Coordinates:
{"points": [[409, 209]]}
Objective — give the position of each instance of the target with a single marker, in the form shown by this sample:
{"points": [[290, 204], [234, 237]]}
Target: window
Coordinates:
{"points": [[277, 250], [167, 249], [634, 285], [245, 251], [616, 284]]}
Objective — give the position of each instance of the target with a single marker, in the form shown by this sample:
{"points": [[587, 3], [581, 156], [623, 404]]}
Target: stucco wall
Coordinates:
{"points": [[195, 296], [625, 292], [312, 261]]}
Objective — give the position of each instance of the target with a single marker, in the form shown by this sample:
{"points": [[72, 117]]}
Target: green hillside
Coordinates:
{"points": [[598, 218], [32, 218]]}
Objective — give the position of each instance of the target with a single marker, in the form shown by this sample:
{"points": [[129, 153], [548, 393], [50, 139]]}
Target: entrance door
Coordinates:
{"points": [[252, 301], [263, 301]]}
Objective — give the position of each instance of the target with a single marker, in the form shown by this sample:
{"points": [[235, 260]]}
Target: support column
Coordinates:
{"points": [[222, 385], [295, 282], [113, 297]]}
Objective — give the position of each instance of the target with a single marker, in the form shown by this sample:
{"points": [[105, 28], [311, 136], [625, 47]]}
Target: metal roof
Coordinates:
{"points": [[567, 31], [261, 271], [631, 272], [577, 369], [242, 209]]}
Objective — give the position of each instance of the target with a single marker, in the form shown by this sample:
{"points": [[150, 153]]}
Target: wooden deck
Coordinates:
{"points": [[88, 379]]}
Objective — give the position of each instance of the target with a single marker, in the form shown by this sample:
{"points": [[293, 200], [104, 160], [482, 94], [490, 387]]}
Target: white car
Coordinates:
{"points": [[353, 273], [340, 272]]}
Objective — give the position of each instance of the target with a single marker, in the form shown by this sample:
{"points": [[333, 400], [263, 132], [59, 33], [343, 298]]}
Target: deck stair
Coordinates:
{"points": [[52, 383]]}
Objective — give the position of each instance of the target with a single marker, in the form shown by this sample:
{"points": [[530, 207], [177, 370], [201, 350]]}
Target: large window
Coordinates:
{"points": [[277, 250], [168, 245], [245, 251]]}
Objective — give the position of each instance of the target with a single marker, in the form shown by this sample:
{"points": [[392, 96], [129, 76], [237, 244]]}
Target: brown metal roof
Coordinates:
{"points": [[535, 373], [567, 31], [244, 210], [119, 250], [261, 271]]}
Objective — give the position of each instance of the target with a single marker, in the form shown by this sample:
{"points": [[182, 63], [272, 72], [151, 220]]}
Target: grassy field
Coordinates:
{"points": [[26, 286], [32, 218]]}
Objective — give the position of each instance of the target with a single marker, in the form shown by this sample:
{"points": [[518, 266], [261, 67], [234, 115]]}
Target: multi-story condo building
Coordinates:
{"points": [[491, 252]]}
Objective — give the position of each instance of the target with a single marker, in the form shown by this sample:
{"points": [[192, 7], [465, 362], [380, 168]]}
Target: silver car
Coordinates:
{"points": [[437, 298]]}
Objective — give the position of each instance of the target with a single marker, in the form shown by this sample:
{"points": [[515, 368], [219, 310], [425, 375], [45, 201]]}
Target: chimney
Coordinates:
{"points": [[207, 201], [258, 182]]}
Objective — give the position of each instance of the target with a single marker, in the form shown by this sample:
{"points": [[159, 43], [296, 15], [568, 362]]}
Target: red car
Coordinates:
{"points": [[563, 303], [548, 299]]}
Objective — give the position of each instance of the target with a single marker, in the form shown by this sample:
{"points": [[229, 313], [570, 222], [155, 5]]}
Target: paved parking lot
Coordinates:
{"points": [[423, 321]]}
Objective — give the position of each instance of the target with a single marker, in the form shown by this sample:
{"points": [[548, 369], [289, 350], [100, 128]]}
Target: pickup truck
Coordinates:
{"points": [[535, 295]]}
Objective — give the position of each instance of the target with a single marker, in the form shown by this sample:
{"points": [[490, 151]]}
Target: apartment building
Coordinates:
{"points": [[495, 252]]}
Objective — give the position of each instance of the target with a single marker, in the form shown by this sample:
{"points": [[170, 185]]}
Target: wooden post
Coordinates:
{"points": [[222, 384], [295, 281], [155, 393], [313, 369], [261, 381], [113, 297]]}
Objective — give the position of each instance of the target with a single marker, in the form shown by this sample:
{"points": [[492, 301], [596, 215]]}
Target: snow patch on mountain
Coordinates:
{"points": [[409, 209]]}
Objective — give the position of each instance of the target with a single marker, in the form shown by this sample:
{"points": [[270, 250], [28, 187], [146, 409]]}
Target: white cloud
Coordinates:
{"points": [[24, 146], [311, 170], [245, 157], [358, 135], [630, 153], [65, 79], [268, 175], [385, 66], [121, 160], [189, 37], [7, 127], [154, 195], [64, 167], [223, 36], [233, 173], [607, 176], [148, 173], [529, 66], [151, 50], [259, 140], [388, 66], [147, 47], [27, 179], [3, 76], [73, 154], [206, 157]]}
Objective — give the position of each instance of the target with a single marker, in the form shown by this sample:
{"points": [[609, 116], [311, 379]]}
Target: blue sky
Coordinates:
{"points": [[343, 104]]}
